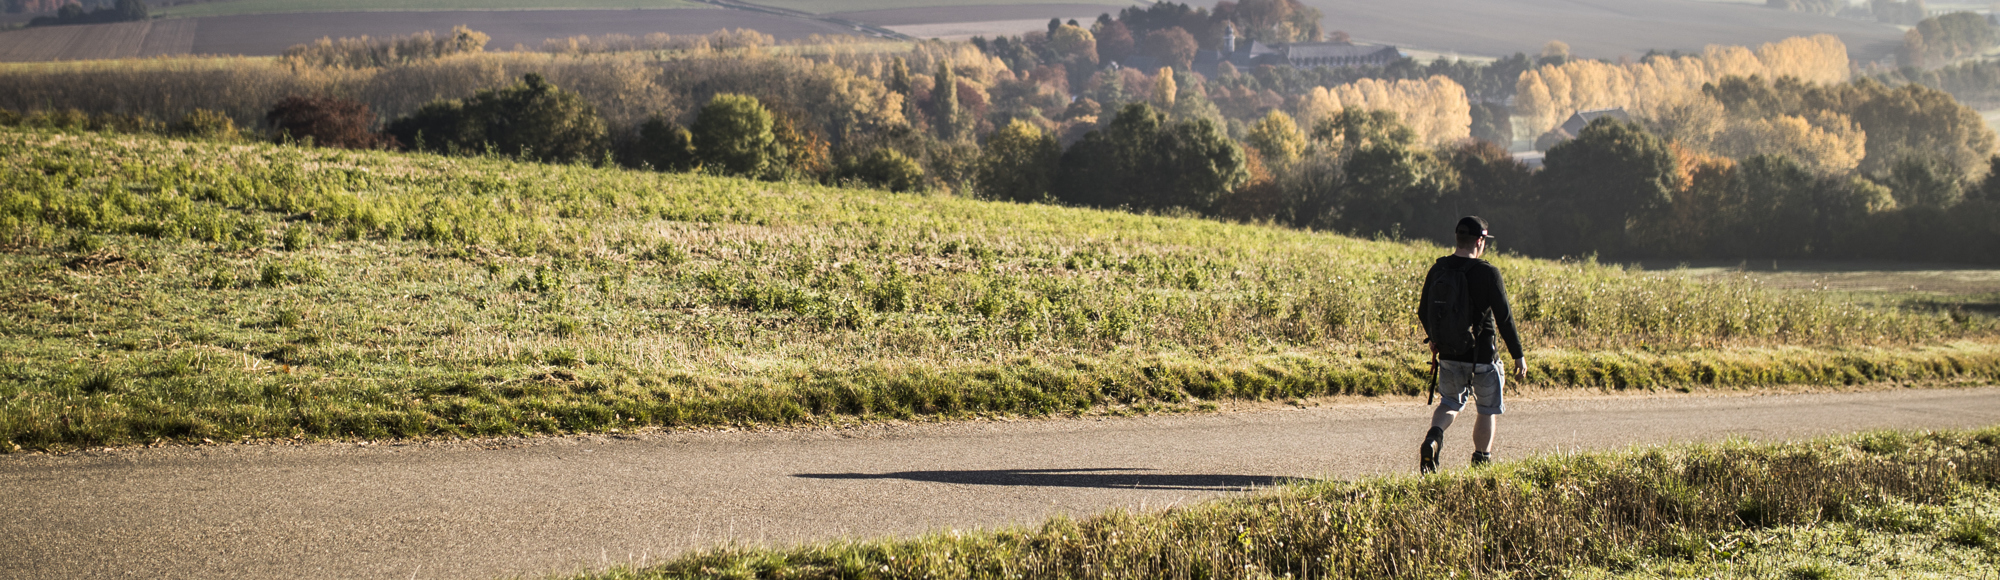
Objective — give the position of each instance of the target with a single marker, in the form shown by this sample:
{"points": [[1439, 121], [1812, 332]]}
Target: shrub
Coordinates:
{"points": [[328, 121], [885, 168], [732, 136], [204, 124], [532, 120], [661, 145]]}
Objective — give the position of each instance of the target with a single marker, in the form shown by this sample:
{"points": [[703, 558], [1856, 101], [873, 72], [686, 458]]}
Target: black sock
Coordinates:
{"points": [[1435, 433]]}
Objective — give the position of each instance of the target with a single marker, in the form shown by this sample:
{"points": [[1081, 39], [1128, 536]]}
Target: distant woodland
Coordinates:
{"points": [[1778, 151]]}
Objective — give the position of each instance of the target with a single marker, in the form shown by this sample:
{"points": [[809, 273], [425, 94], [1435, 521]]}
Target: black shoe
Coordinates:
{"points": [[1481, 458], [1427, 457]]}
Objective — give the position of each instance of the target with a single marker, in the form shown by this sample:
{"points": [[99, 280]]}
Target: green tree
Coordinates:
{"points": [[944, 102], [732, 136], [1141, 162], [899, 76], [1610, 173], [1018, 163], [1923, 181], [439, 126], [129, 11], [1199, 165], [885, 168], [537, 121], [531, 120], [663, 146]]}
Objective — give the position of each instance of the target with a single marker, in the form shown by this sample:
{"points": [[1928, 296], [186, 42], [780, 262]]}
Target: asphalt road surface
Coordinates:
{"points": [[542, 506]]}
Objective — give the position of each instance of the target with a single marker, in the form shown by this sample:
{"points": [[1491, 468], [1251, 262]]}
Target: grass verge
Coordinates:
{"points": [[1880, 504], [173, 290]]}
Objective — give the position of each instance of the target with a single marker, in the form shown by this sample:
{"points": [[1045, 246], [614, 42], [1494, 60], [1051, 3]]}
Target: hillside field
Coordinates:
{"points": [[175, 290], [1593, 28], [235, 7], [271, 34]]}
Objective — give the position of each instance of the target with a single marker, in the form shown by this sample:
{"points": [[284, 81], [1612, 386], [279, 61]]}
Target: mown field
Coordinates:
{"points": [[166, 290], [1879, 505]]}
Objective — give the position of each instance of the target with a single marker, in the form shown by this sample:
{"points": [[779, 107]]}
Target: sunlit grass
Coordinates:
{"points": [[163, 289], [1885, 504]]}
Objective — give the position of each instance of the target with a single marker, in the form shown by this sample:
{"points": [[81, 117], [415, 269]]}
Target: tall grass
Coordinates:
{"points": [[187, 290], [1719, 507], [833, 86]]}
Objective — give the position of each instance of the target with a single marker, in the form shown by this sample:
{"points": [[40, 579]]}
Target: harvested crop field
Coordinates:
{"points": [[271, 34], [1852, 276], [1592, 28], [966, 30], [852, 6], [96, 41], [256, 34], [983, 13], [231, 7]]}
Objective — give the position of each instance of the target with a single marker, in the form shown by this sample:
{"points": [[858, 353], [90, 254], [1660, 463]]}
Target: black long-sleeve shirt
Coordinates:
{"points": [[1489, 309]]}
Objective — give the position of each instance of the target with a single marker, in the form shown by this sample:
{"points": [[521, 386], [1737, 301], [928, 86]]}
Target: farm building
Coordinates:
{"points": [[1250, 53], [1244, 54], [1570, 128]]}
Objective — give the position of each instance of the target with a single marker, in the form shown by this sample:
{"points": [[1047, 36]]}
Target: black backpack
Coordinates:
{"points": [[1448, 309]]}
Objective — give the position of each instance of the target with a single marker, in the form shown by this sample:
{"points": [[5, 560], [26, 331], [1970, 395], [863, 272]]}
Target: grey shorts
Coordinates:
{"points": [[1481, 381]]}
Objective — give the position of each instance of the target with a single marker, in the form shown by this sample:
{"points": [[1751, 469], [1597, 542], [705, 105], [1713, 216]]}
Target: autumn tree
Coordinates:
{"points": [[326, 121], [1173, 46], [1277, 139]]}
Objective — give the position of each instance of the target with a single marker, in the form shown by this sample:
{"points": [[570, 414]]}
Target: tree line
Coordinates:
{"points": [[1381, 152], [73, 13]]}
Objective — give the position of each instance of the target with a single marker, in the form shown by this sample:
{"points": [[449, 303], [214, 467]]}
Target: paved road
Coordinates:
{"points": [[461, 510]]}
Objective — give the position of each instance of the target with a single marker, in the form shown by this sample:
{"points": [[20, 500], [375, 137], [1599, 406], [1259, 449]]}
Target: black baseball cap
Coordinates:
{"points": [[1472, 225]]}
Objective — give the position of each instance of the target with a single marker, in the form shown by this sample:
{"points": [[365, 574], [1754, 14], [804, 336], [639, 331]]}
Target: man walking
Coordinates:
{"points": [[1464, 304]]}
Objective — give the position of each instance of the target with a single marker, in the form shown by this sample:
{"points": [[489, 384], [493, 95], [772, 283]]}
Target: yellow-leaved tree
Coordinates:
{"points": [[1548, 95], [1436, 109]]}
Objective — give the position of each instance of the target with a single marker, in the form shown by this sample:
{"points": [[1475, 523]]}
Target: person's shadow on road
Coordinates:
{"points": [[1119, 478]]}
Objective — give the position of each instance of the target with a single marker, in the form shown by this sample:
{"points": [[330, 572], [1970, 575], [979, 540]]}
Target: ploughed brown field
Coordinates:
{"points": [[987, 13], [1592, 28], [271, 34], [97, 41]]}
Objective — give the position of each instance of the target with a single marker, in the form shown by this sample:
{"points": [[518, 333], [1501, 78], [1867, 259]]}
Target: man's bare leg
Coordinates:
{"points": [[1441, 418], [1482, 432]]}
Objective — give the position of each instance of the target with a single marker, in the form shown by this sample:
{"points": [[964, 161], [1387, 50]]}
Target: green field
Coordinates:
{"points": [[1879, 505], [234, 7], [176, 290]]}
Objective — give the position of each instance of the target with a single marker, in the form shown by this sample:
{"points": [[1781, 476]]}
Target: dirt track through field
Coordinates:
{"points": [[465, 510]]}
